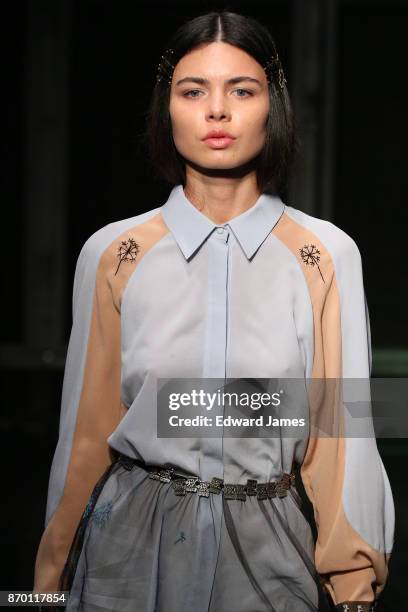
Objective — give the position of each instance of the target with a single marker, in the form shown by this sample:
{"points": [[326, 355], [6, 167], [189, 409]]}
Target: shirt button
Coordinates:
{"points": [[220, 230]]}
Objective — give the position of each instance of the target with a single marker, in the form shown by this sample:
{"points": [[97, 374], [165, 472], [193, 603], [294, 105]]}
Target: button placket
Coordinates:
{"points": [[215, 341], [222, 233]]}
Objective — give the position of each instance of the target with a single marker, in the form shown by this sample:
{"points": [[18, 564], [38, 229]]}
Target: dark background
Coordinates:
{"points": [[76, 80]]}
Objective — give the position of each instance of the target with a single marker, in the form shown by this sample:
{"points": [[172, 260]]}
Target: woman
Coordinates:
{"points": [[222, 281]]}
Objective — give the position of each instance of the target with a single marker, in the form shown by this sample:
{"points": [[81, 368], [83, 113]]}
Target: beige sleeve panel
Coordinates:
{"points": [[99, 408], [351, 567], [99, 412]]}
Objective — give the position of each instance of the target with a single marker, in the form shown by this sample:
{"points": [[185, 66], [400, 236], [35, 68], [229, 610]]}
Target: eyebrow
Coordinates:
{"points": [[233, 81]]}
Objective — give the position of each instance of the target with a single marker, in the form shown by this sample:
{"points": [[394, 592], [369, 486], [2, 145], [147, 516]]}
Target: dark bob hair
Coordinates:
{"points": [[277, 157]]}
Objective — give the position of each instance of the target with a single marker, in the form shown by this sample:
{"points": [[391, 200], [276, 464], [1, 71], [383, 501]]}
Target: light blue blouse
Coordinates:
{"points": [[272, 293]]}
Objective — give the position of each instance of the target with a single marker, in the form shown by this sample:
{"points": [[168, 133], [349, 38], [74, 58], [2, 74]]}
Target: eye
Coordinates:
{"points": [[192, 91], [246, 91]]}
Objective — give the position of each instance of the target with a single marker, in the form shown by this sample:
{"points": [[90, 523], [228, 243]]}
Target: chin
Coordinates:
{"points": [[221, 165], [218, 162]]}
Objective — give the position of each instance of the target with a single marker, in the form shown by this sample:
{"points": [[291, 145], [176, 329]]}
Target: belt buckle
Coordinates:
{"points": [[281, 488], [154, 474], [216, 484], [271, 489], [164, 475], [261, 490], [203, 488], [234, 491], [251, 486], [179, 486], [191, 484], [284, 484]]}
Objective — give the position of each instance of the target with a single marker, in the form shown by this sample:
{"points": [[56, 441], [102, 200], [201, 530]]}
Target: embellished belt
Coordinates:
{"points": [[193, 484]]}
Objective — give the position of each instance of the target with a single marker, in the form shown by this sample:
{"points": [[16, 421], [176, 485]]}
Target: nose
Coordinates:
{"points": [[218, 107]]}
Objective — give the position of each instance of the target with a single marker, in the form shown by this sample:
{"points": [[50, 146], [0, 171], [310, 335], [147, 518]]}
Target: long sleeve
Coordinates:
{"points": [[343, 473], [90, 409]]}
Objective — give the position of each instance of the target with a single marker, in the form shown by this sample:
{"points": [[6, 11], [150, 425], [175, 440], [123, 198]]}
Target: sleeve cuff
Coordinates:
{"points": [[361, 586]]}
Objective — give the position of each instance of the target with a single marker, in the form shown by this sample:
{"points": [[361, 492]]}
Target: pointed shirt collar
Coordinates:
{"points": [[191, 228]]}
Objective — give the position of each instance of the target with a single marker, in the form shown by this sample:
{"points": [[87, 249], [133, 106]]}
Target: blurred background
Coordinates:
{"points": [[78, 77]]}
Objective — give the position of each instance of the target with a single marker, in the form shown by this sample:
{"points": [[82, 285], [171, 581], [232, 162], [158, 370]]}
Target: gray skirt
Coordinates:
{"points": [[139, 547]]}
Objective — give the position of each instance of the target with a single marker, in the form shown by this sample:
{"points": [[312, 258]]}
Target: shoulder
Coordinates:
{"points": [[98, 243], [100, 240], [341, 246]]}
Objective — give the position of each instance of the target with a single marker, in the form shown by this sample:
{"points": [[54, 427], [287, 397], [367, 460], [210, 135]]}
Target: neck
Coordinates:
{"points": [[221, 197]]}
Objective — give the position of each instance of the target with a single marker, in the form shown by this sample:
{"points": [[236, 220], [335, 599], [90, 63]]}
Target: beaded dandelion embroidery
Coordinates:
{"points": [[310, 254], [127, 251]]}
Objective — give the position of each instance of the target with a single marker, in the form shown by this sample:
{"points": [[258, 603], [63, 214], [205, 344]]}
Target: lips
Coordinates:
{"points": [[218, 139], [218, 134]]}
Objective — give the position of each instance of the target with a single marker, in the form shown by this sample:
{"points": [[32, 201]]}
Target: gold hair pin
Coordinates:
{"points": [[165, 67], [274, 68]]}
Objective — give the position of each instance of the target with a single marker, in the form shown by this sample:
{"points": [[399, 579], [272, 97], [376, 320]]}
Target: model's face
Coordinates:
{"points": [[203, 98]]}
